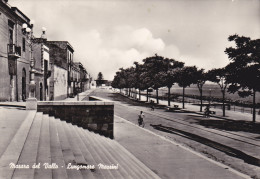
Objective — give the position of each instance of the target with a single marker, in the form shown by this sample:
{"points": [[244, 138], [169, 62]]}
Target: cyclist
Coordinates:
{"points": [[207, 112], [141, 119]]}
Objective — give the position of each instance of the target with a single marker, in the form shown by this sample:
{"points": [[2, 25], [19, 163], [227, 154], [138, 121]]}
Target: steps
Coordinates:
{"points": [[50, 142]]}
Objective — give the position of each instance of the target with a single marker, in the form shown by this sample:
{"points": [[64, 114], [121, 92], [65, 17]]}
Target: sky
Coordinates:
{"points": [[111, 34]]}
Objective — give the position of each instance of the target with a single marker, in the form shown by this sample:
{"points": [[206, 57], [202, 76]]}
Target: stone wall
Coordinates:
{"points": [[97, 116]]}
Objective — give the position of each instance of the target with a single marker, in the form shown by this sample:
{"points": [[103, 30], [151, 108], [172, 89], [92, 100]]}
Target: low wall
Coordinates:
{"points": [[97, 116]]}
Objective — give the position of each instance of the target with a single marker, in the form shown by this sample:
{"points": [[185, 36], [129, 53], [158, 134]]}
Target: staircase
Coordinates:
{"points": [[44, 147]]}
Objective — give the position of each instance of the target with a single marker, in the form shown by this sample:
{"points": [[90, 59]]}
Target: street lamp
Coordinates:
{"points": [[28, 31]]}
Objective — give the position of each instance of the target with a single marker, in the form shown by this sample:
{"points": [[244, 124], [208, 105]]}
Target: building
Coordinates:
{"points": [[14, 54], [42, 71], [74, 79], [35, 67], [61, 64], [84, 79]]}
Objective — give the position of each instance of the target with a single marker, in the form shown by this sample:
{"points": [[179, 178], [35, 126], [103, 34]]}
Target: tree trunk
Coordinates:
{"points": [[200, 100], [254, 106], [223, 103], [147, 95], [183, 92], [169, 89], [139, 95], [157, 96]]}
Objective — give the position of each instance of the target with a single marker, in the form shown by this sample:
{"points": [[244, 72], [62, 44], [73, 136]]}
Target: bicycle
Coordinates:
{"points": [[207, 112]]}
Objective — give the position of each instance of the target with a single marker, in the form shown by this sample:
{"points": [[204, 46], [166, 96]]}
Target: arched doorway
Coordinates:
{"points": [[23, 84], [41, 90]]}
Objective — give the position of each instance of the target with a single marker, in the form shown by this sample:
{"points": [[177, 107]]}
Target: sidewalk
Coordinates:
{"points": [[166, 158], [80, 96], [230, 115], [23, 104]]}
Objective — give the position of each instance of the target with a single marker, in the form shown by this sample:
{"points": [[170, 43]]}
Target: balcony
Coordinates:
{"points": [[13, 51]]}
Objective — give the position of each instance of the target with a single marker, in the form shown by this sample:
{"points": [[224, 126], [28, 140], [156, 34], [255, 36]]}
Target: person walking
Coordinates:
{"points": [[141, 119], [152, 105]]}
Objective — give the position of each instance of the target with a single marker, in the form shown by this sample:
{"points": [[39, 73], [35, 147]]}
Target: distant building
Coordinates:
{"points": [[84, 78], [61, 65], [14, 54], [102, 83]]}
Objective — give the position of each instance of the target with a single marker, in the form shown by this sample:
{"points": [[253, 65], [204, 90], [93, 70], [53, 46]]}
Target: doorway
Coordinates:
{"points": [[41, 90], [23, 85]]}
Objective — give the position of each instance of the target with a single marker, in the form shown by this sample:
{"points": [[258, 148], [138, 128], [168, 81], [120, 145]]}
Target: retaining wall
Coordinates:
{"points": [[97, 116]]}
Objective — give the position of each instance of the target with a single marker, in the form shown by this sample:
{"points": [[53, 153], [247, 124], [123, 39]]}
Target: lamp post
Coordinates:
{"points": [[29, 35], [31, 102]]}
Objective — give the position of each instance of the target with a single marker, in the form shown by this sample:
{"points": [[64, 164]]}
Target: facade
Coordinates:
{"points": [[14, 54], [61, 62], [84, 80], [74, 79], [23, 58], [42, 71]]}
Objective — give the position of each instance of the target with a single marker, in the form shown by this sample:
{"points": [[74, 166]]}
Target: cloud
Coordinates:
{"points": [[118, 47]]}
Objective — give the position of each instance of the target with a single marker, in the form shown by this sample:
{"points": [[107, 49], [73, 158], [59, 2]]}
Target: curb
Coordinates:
{"points": [[13, 105]]}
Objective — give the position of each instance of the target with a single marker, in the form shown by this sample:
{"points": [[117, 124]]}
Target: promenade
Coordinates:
{"points": [[230, 115], [164, 157], [171, 126]]}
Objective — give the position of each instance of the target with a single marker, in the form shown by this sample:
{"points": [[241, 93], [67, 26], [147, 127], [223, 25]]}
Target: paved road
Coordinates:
{"points": [[187, 129]]}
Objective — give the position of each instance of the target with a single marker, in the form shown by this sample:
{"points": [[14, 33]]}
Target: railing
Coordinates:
{"points": [[14, 50]]}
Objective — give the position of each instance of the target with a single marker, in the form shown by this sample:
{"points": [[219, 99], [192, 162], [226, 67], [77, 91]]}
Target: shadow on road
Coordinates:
{"points": [[244, 126], [220, 147]]}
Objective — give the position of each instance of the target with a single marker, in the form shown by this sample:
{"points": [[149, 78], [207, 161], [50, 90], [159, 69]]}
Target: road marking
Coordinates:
{"points": [[194, 152]]}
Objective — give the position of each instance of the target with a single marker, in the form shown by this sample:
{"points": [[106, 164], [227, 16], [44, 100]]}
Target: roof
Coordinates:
{"points": [[67, 43]]}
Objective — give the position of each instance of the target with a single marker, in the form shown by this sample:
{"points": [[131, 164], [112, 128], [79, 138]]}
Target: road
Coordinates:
{"points": [[239, 150]]}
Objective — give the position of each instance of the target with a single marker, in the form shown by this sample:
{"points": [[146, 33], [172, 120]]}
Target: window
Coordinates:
{"points": [[24, 44], [11, 41], [11, 27]]}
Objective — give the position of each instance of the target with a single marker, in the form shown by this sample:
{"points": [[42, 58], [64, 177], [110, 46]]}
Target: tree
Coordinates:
{"points": [[130, 79], [100, 76], [201, 78], [244, 68], [168, 74], [219, 76], [185, 77], [118, 81], [100, 79], [146, 81], [153, 65], [138, 83]]}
